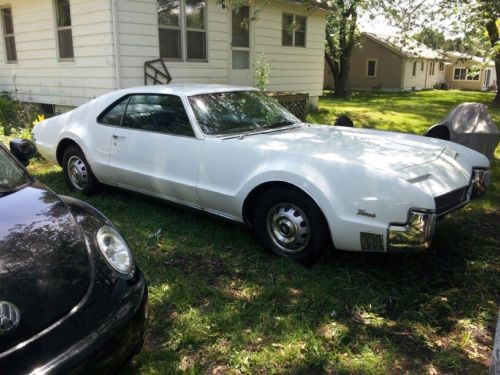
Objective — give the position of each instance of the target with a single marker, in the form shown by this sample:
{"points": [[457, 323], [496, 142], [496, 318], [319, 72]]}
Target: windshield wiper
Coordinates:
{"points": [[279, 124]]}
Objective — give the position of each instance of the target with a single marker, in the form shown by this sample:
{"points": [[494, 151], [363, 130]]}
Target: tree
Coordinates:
{"points": [[341, 36]]}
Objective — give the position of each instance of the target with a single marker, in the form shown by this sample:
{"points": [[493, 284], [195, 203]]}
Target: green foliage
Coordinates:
{"points": [[262, 72], [8, 114], [221, 305]]}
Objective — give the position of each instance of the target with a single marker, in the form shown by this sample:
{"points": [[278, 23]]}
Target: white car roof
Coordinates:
{"points": [[185, 89]]}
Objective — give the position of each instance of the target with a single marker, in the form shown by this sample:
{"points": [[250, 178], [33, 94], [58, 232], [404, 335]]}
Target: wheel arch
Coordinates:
{"points": [[251, 200], [62, 146]]}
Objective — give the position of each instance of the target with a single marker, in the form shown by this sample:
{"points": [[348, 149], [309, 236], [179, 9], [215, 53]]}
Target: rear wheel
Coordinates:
{"points": [[77, 172], [290, 223]]}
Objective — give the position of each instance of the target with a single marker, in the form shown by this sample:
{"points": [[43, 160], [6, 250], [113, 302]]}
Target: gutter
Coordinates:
{"points": [[116, 44]]}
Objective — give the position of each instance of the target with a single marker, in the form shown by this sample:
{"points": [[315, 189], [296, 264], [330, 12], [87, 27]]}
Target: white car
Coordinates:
{"points": [[234, 152]]}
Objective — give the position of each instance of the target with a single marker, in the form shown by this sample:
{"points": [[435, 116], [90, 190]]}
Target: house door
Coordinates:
{"points": [[487, 79], [240, 72]]}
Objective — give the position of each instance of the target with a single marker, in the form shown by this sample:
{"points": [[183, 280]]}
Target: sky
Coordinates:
{"points": [[378, 26]]}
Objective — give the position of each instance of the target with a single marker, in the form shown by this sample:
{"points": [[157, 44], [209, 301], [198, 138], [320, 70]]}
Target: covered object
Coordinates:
{"points": [[469, 124]]}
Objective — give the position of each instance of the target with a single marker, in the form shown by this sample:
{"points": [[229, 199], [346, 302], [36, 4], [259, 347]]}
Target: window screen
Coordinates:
{"points": [[8, 31], [64, 32]]}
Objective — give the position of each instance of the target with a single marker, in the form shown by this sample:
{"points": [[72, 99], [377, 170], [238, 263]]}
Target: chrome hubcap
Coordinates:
{"points": [[288, 227], [77, 172]]}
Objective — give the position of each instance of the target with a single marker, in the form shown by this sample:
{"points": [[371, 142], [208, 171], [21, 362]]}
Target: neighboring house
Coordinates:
{"points": [[66, 52], [470, 72], [383, 63]]}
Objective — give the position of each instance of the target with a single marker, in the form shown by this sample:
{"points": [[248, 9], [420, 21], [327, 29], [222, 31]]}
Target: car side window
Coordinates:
{"points": [[113, 115], [157, 113]]}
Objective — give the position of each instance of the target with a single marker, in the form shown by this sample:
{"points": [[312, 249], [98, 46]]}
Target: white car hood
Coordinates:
{"points": [[420, 161], [374, 149]]}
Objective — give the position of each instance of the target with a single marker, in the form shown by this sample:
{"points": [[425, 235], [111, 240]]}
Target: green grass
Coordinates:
{"points": [[221, 304]]}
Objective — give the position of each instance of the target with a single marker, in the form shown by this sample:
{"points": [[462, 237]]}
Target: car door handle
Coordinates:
{"points": [[118, 136]]}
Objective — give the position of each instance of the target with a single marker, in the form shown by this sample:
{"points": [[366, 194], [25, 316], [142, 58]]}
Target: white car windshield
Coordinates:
{"points": [[234, 112], [11, 175]]}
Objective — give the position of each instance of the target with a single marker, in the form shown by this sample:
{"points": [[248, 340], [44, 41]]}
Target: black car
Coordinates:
{"points": [[71, 298]]}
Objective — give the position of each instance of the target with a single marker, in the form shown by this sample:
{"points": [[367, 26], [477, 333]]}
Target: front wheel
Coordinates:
{"points": [[290, 223], [77, 172]]}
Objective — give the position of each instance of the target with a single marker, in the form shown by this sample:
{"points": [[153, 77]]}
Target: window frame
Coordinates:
{"points": [[467, 75], [432, 68], [130, 95], [63, 28], [368, 61], [294, 15], [184, 30], [414, 69], [10, 35], [441, 66]]}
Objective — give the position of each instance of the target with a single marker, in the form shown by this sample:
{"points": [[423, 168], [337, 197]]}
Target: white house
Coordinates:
{"points": [[66, 52]]}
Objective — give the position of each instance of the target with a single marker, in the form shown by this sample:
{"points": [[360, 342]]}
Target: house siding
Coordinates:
{"points": [[388, 69], [41, 78], [139, 42], [422, 79], [467, 85], [39, 75], [292, 68]]}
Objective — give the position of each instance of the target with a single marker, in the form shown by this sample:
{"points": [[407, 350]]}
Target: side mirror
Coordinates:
{"points": [[23, 150]]}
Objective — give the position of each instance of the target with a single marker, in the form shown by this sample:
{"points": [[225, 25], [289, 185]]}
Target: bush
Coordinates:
{"points": [[8, 114]]}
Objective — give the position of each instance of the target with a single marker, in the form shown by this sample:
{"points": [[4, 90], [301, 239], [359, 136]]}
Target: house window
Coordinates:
{"points": [[371, 68], [8, 32], [472, 76], [432, 66], [414, 71], [459, 74], [63, 26], [182, 29], [441, 66], [421, 66], [293, 31]]}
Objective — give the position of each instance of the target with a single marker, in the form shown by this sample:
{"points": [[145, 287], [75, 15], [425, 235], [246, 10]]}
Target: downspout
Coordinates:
{"points": [[116, 44], [427, 73], [403, 76]]}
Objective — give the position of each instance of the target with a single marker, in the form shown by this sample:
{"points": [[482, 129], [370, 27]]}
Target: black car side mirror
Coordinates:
{"points": [[23, 150]]}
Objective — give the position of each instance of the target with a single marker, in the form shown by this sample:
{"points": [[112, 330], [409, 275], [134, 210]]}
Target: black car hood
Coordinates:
{"points": [[44, 262]]}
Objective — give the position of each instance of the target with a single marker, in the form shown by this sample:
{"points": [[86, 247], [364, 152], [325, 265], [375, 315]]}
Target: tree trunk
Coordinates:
{"points": [[492, 29]]}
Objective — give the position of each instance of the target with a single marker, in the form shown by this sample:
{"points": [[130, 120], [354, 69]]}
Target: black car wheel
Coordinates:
{"points": [[77, 172], [290, 223]]}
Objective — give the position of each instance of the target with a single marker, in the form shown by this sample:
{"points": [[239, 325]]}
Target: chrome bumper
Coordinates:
{"points": [[480, 181], [414, 235]]}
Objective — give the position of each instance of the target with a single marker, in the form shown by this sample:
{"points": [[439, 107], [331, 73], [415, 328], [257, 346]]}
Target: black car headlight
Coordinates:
{"points": [[114, 250]]}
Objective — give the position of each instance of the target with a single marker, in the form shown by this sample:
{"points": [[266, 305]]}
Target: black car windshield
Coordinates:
{"points": [[234, 112], [11, 175]]}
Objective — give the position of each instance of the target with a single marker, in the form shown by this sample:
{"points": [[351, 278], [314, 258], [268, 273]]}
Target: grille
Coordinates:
{"points": [[451, 200]]}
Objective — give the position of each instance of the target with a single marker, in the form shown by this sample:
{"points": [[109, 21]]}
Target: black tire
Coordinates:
{"points": [[289, 214], [75, 164]]}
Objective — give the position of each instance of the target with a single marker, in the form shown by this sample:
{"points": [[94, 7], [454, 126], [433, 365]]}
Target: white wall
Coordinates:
{"points": [[422, 79], [40, 76], [292, 68], [139, 42]]}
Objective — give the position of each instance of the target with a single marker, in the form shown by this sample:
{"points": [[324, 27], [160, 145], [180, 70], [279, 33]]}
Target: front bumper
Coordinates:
{"points": [[416, 234]]}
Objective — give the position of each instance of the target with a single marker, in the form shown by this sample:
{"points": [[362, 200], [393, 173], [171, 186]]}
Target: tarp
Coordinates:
{"points": [[469, 124]]}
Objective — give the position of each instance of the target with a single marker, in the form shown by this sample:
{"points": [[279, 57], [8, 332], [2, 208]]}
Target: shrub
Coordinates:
{"points": [[262, 71], [8, 114]]}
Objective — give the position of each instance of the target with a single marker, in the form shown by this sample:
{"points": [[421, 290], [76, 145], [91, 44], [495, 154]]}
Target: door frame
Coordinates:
{"points": [[251, 47]]}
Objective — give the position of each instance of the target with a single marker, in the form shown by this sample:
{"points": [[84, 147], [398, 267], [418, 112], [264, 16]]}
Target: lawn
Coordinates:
{"points": [[221, 304]]}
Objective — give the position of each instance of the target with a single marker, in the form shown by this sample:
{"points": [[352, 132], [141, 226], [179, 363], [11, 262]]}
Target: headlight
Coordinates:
{"points": [[114, 249]]}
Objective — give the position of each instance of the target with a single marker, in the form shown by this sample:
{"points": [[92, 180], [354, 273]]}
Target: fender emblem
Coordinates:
{"points": [[364, 213], [9, 317]]}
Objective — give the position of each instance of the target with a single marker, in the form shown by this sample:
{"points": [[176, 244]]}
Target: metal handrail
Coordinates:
{"points": [[158, 74]]}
